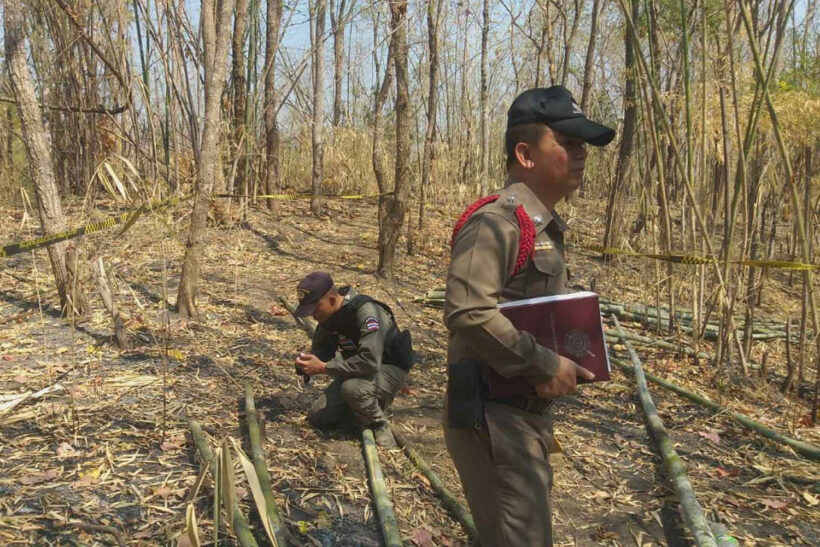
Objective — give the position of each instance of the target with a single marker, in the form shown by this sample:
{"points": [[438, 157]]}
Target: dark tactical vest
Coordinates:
{"points": [[398, 346]]}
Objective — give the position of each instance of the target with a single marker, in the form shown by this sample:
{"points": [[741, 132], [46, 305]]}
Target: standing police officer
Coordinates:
{"points": [[506, 247], [358, 343]]}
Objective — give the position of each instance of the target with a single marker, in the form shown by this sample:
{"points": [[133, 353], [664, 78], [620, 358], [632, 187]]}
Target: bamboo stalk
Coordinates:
{"points": [[387, 519], [461, 513], [238, 521], [680, 313], [690, 507], [711, 331], [261, 466], [807, 450], [805, 251], [613, 336]]}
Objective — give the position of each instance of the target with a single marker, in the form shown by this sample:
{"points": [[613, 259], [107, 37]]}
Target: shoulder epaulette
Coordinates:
{"points": [[526, 243]]}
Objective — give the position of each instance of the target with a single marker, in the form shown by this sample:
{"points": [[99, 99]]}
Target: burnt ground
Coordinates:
{"points": [[109, 449]]}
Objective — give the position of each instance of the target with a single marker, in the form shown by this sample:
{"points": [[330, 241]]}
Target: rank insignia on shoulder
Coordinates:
{"points": [[544, 246]]}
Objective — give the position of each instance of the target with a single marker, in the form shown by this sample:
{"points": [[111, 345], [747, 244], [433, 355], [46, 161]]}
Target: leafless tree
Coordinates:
{"points": [[215, 37]]}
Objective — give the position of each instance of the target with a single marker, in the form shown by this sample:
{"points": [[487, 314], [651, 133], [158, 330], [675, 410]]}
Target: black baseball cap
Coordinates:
{"points": [[310, 290], [555, 107]]}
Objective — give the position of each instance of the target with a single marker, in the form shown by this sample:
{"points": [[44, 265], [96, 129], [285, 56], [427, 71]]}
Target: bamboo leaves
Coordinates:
{"points": [[256, 490], [191, 528], [221, 465]]}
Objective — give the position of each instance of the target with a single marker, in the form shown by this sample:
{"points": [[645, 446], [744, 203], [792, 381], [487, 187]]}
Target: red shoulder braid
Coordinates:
{"points": [[526, 243]]}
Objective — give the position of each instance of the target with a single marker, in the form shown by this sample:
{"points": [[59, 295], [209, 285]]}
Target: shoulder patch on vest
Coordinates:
{"points": [[371, 324]]}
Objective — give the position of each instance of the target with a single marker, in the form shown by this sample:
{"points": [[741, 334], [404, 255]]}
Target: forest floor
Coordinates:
{"points": [[109, 450]]}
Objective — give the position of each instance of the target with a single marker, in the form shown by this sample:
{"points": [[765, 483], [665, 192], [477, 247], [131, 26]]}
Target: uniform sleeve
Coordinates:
{"points": [[324, 344], [483, 256], [368, 357]]}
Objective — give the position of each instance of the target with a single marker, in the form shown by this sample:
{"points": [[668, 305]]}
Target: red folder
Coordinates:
{"points": [[569, 324]]}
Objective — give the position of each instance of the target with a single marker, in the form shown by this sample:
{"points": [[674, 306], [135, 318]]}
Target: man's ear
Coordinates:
{"points": [[522, 155]]}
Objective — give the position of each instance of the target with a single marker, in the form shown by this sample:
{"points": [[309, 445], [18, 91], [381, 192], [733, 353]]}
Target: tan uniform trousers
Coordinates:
{"points": [[506, 475]]}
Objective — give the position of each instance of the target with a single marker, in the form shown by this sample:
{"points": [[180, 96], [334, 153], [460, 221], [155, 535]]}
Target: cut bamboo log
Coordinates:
{"points": [[260, 463], [761, 332], [613, 336], [461, 513], [807, 450], [709, 333], [690, 507], [308, 324], [238, 521], [387, 519]]}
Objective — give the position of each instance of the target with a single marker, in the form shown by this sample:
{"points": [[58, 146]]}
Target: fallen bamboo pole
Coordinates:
{"points": [[387, 519], [461, 513], [308, 324], [238, 521], [807, 450], [260, 463], [612, 335], [690, 507], [435, 299], [709, 334], [681, 314]]}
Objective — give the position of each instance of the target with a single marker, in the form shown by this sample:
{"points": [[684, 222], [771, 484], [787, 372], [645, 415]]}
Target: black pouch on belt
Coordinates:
{"points": [[466, 395]]}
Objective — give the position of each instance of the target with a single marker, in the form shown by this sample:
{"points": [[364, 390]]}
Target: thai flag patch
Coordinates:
{"points": [[371, 324]]}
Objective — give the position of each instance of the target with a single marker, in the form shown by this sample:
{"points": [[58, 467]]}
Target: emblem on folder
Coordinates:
{"points": [[577, 343]]}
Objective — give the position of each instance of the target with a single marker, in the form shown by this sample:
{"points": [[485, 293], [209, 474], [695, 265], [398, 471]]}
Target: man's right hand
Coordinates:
{"points": [[564, 381]]}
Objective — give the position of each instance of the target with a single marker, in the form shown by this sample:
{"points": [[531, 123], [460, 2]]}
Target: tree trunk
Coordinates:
{"points": [[273, 22], [396, 204], [589, 62], [627, 135], [72, 300], [215, 37], [485, 109], [433, 19], [317, 43], [569, 40], [338, 21], [379, 169], [239, 95], [104, 284]]}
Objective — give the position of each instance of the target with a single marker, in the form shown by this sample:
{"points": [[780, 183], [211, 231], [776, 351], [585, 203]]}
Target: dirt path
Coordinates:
{"points": [[96, 453]]}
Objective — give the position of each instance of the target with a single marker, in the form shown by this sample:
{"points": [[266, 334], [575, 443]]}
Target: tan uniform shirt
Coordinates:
{"points": [[480, 277]]}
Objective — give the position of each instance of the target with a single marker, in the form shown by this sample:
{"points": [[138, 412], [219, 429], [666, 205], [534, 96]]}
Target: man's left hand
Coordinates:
{"points": [[310, 364]]}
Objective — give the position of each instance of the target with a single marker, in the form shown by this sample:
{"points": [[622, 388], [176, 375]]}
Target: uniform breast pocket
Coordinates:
{"points": [[548, 263], [549, 273]]}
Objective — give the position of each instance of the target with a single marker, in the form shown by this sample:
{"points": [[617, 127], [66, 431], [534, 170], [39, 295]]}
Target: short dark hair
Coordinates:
{"points": [[529, 133]]}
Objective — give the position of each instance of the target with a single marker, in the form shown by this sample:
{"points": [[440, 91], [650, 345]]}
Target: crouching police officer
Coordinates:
{"points": [[358, 343], [509, 246]]}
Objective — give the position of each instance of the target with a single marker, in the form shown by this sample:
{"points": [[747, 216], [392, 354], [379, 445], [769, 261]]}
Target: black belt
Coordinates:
{"points": [[527, 403]]}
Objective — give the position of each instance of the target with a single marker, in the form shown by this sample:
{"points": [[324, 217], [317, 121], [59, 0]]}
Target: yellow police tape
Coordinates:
{"points": [[696, 260], [128, 218], [289, 197]]}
